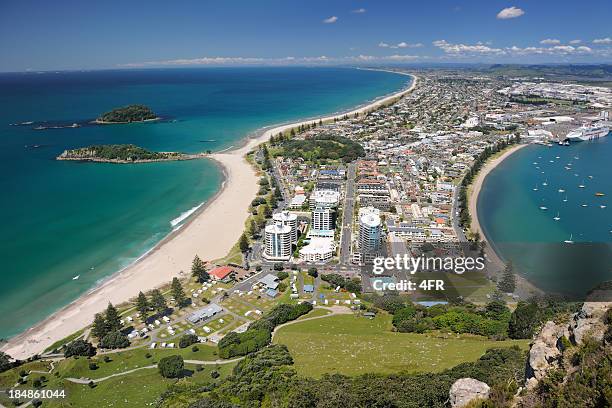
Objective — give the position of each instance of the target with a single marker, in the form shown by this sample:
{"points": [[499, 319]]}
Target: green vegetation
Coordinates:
{"points": [[268, 378], [353, 345], [171, 366], [529, 316], [114, 340], [79, 348], [321, 149], [122, 153], [127, 114], [350, 285], [198, 270], [259, 333]]}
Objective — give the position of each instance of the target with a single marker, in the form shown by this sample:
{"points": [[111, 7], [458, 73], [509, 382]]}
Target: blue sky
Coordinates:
{"points": [[77, 34]]}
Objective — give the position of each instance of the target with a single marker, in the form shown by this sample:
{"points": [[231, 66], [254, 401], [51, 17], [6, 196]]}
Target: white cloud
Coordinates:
{"points": [[459, 49], [606, 40], [402, 44], [550, 41], [556, 50], [359, 11], [330, 20], [510, 12], [574, 42]]}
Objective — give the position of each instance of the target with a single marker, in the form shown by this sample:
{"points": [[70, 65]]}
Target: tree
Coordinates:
{"points": [[187, 340], [142, 305], [178, 293], [198, 270], [79, 348], [243, 243], [507, 284], [115, 340], [253, 228], [524, 321], [313, 272], [158, 302], [113, 320], [99, 328], [5, 362], [171, 366], [267, 211]]}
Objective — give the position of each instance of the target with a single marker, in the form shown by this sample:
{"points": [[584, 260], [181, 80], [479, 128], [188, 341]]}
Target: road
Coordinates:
{"points": [[347, 216], [455, 218]]}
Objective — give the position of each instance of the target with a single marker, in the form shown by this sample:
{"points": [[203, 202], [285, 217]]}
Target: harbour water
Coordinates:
{"points": [[540, 197], [64, 220]]}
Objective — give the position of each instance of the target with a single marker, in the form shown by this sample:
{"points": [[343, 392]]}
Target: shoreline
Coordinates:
{"points": [[210, 232], [524, 288]]}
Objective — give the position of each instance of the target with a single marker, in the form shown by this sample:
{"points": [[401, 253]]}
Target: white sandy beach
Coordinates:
{"points": [[210, 233], [524, 288]]}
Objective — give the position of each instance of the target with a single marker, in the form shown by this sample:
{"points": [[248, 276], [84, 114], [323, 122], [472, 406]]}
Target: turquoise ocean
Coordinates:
{"points": [[521, 198], [68, 219]]}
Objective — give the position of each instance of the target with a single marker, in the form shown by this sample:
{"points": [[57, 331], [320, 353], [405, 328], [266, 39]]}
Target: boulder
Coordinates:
{"points": [[465, 390]]}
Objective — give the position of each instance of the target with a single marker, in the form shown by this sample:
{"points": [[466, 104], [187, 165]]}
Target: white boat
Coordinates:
{"points": [[565, 199], [543, 208], [588, 132], [602, 206], [535, 188], [569, 241], [557, 218], [545, 183], [561, 190], [76, 277]]}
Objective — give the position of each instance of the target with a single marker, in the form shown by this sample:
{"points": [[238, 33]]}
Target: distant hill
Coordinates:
{"points": [[598, 72], [127, 114]]}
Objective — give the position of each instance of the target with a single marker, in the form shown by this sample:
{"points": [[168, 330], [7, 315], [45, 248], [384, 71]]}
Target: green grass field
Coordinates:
{"points": [[352, 345]]}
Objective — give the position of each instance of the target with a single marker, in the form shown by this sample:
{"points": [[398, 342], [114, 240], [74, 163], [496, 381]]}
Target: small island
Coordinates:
{"points": [[127, 114], [125, 153]]}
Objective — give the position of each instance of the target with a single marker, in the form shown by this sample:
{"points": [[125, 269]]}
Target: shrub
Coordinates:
{"points": [[171, 366], [187, 340], [114, 340], [93, 366], [79, 348], [214, 374]]}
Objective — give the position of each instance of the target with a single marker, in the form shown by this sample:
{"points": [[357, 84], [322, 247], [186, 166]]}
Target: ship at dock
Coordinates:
{"points": [[592, 131]]}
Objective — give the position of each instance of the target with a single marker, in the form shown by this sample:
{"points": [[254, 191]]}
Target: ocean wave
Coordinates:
{"points": [[184, 215]]}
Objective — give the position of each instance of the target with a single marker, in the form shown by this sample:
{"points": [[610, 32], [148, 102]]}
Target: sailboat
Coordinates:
{"points": [[561, 190], [581, 185], [569, 241], [543, 208], [535, 188], [557, 218], [545, 183], [565, 199], [76, 277]]}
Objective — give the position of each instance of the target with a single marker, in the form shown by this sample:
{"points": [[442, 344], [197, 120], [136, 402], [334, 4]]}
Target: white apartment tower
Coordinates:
{"points": [[289, 219], [322, 219], [278, 242], [370, 233]]}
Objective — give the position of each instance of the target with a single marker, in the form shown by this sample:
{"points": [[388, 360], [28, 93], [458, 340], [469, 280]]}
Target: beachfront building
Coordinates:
{"points": [[277, 242], [290, 220], [318, 250], [370, 234], [324, 199], [322, 219]]}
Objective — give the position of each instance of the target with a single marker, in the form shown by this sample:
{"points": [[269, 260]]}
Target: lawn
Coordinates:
{"points": [[352, 345]]}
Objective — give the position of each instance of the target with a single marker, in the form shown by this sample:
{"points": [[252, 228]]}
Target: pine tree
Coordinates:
{"points": [[243, 243], [198, 270], [99, 328], [158, 302], [507, 284], [113, 320], [142, 305], [178, 293], [253, 228]]}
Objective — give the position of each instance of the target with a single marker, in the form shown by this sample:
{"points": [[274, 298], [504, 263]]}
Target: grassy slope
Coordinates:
{"points": [[353, 345]]}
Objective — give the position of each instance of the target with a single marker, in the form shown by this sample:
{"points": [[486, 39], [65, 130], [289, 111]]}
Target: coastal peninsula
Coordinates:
{"points": [[127, 114], [121, 154]]}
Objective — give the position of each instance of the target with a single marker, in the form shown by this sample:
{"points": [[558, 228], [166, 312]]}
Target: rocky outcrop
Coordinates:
{"points": [[547, 348], [588, 322], [465, 390]]}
